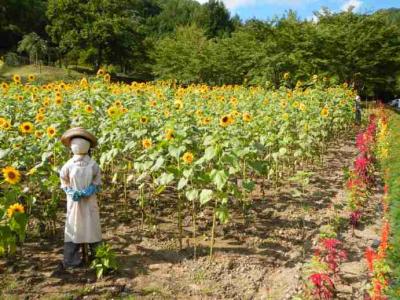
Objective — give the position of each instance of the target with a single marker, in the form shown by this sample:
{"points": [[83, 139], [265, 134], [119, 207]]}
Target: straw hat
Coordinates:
{"points": [[78, 132]]}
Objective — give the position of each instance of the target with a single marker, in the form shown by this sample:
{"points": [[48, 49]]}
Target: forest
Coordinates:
{"points": [[183, 40]]}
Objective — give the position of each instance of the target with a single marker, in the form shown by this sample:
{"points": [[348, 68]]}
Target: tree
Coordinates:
{"points": [[182, 56], [362, 50], [34, 45], [103, 30], [215, 19]]}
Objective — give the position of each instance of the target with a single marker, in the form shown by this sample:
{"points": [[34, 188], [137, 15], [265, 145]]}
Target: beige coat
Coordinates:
{"points": [[83, 221]]}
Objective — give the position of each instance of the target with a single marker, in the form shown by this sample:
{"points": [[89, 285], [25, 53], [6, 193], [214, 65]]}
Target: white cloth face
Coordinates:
{"points": [[80, 146]]}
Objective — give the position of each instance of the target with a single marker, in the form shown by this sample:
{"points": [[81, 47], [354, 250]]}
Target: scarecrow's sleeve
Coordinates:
{"points": [[96, 175], [64, 176]]}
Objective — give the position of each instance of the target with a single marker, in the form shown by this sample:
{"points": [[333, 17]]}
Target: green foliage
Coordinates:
{"points": [[182, 56], [103, 31], [190, 42], [392, 165], [12, 227], [105, 260], [34, 45]]}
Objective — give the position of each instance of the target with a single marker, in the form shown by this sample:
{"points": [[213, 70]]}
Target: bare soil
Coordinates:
{"points": [[262, 259]]}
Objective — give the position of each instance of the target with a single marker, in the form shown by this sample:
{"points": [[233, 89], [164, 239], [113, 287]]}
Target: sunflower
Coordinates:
{"points": [[84, 82], [118, 103], [112, 111], [188, 157], [16, 78], [31, 77], [20, 98], [58, 94], [2, 122], [15, 208], [6, 125], [26, 127], [51, 131], [226, 121], [285, 116], [205, 121], [58, 100], [89, 109], [41, 110], [302, 107], [234, 101], [46, 102], [39, 118], [124, 110], [147, 143], [107, 77], [324, 112], [4, 85], [62, 85], [78, 103], [246, 117], [11, 175], [38, 134], [283, 103], [101, 72], [144, 120], [166, 113], [286, 76], [169, 134], [178, 104]]}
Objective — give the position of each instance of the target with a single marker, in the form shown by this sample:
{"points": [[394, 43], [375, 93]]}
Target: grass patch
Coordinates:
{"points": [[43, 74], [392, 166]]}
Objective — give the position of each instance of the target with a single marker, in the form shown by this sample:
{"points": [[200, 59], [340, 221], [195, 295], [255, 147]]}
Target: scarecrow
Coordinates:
{"points": [[80, 179]]}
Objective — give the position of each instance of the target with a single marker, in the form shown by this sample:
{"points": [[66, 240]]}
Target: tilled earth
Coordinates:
{"points": [[262, 259]]}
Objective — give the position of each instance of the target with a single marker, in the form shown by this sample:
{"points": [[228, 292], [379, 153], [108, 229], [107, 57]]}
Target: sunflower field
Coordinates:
{"points": [[205, 147]]}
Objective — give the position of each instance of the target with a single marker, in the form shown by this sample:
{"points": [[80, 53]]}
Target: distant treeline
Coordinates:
{"points": [[203, 43]]}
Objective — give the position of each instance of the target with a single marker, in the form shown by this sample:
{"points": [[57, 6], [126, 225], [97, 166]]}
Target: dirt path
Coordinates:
{"points": [[262, 260]]}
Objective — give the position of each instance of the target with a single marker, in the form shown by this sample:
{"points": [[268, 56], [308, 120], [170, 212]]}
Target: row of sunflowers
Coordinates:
{"points": [[206, 146]]}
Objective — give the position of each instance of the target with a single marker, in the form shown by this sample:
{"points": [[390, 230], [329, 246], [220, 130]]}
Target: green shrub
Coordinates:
{"points": [[105, 261]]}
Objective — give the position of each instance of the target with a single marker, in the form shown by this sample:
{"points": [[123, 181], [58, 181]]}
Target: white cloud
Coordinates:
{"points": [[232, 4], [356, 4]]}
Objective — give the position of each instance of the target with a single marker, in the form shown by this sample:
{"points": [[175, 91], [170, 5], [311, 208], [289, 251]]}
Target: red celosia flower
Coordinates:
{"points": [[331, 254], [330, 244], [361, 142], [361, 165], [378, 287], [355, 217], [384, 239], [323, 286], [370, 256]]}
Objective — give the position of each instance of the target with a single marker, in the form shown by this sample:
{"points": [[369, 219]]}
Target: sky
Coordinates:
{"points": [[264, 9]]}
